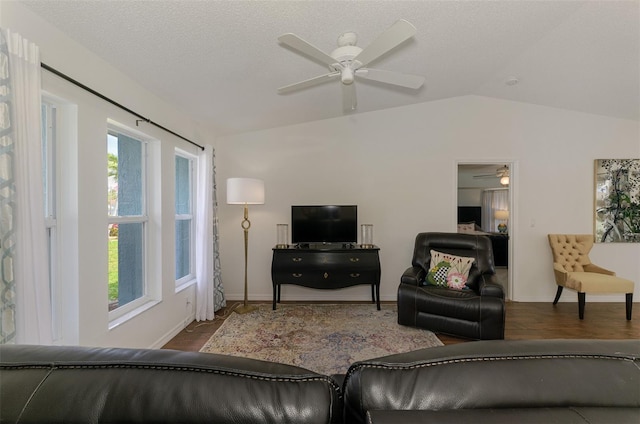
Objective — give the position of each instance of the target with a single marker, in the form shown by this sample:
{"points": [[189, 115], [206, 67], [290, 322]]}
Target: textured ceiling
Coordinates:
{"points": [[220, 61]]}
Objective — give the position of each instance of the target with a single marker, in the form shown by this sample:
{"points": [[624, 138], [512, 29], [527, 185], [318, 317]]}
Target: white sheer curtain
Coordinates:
{"points": [[492, 201], [7, 204], [209, 292], [31, 261]]}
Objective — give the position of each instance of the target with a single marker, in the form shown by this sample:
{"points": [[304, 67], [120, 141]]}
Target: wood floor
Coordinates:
{"points": [[523, 321]]}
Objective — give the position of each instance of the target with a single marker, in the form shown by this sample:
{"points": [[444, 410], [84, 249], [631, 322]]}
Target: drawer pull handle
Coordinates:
{"points": [[326, 275], [354, 259], [354, 275], [297, 275], [297, 259]]}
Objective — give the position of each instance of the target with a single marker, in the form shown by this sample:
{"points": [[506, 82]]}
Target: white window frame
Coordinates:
{"points": [[190, 278], [60, 220], [51, 211], [150, 297]]}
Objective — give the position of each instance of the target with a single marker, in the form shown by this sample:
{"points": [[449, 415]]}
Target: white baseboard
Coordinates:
{"points": [[173, 332], [321, 296]]}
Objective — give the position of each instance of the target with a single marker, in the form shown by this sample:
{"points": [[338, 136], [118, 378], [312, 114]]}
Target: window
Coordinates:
{"points": [[49, 130], [127, 221], [185, 222]]}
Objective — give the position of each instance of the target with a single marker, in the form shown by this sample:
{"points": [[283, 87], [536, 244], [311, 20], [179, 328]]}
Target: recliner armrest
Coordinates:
{"points": [[413, 276], [489, 286]]}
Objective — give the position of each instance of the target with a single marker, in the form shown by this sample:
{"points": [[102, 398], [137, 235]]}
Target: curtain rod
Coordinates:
{"points": [[103, 97]]}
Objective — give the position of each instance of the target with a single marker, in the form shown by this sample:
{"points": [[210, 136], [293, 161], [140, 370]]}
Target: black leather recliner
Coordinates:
{"points": [[474, 313]]}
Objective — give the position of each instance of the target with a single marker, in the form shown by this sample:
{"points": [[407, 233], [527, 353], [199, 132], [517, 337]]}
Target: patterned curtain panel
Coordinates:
{"points": [[218, 290], [7, 204], [25, 260], [209, 292]]}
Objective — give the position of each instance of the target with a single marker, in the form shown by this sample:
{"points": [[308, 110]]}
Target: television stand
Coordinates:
{"points": [[327, 267]]}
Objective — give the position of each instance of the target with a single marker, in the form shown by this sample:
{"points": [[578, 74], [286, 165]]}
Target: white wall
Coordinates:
{"points": [[83, 180], [470, 197], [399, 167]]}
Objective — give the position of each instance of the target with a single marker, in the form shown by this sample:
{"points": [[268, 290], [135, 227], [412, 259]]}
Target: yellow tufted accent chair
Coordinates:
{"points": [[574, 270]]}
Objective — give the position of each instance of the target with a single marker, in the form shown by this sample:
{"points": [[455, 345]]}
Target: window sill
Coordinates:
{"points": [[180, 286], [132, 314]]}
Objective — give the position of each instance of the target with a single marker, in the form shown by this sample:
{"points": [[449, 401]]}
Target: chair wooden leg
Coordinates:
{"points": [[581, 301], [629, 298], [558, 293]]}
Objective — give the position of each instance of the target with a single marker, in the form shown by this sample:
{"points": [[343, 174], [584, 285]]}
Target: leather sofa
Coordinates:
{"points": [[540, 381], [569, 381], [475, 313], [48, 384]]}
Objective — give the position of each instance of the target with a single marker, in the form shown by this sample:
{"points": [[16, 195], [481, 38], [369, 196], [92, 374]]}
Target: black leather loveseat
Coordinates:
{"points": [[540, 381], [568, 381], [40, 384]]}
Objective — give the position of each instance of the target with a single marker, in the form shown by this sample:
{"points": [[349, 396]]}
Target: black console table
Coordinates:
{"points": [[326, 267]]}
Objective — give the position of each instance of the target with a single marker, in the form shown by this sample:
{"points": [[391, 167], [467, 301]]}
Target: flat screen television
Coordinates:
{"points": [[324, 224]]}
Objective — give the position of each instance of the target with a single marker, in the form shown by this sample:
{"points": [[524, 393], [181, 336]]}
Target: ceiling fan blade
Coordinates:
{"points": [[391, 77], [392, 37], [349, 98], [306, 48], [308, 83]]}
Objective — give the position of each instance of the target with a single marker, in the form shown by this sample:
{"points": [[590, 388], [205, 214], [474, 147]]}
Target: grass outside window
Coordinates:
{"points": [[113, 271]]}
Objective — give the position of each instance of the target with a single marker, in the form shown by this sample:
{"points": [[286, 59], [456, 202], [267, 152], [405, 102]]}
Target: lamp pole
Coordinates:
{"points": [[245, 191], [246, 224]]}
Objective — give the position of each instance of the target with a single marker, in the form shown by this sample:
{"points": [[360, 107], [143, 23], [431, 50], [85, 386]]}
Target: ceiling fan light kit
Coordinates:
{"points": [[348, 61]]}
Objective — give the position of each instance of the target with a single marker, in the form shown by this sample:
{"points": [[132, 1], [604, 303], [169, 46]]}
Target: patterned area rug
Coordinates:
{"points": [[322, 338]]}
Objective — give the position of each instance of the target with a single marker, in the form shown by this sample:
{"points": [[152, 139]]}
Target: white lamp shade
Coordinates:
{"points": [[501, 214], [242, 191]]}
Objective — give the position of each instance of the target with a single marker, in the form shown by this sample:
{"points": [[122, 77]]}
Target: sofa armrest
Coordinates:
{"points": [[413, 276]]}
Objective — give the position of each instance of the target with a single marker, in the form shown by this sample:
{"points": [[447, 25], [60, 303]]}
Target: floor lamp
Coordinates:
{"points": [[245, 191]]}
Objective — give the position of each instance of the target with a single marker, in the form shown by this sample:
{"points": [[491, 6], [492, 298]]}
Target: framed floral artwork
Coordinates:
{"points": [[617, 200]]}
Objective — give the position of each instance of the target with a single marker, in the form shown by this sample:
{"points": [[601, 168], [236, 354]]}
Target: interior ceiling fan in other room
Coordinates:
{"points": [[348, 62], [502, 173]]}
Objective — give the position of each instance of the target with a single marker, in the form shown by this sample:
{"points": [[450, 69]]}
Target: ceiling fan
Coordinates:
{"points": [[502, 173], [348, 61]]}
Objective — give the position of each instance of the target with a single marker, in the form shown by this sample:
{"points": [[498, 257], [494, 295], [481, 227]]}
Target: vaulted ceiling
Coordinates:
{"points": [[220, 61]]}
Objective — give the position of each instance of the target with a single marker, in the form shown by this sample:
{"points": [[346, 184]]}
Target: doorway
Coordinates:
{"points": [[485, 198]]}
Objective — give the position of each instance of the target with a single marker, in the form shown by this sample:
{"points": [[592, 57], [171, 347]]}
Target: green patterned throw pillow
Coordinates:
{"points": [[448, 270]]}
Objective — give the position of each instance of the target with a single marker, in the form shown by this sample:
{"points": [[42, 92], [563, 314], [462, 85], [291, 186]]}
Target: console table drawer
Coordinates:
{"points": [[325, 279], [294, 260]]}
